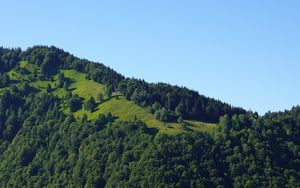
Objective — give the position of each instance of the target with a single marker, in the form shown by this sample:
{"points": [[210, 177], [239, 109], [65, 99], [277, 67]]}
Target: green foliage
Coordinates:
{"points": [[100, 97], [74, 103], [47, 140], [79, 85], [90, 104], [61, 80], [49, 89], [25, 88], [177, 101], [126, 110], [66, 86], [4, 80], [109, 91]]}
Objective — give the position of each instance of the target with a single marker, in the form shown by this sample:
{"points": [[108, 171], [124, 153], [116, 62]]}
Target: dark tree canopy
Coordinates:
{"points": [[45, 143]]}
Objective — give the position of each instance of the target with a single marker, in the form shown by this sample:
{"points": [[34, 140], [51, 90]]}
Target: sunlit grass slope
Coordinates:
{"points": [[126, 110], [81, 86], [121, 108]]}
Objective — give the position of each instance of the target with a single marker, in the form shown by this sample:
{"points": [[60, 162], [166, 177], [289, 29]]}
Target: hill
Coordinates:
{"points": [[124, 109], [69, 122]]}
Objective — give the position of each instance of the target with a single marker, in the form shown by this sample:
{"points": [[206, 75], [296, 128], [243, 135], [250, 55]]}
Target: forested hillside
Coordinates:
{"points": [[69, 122], [168, 102]]}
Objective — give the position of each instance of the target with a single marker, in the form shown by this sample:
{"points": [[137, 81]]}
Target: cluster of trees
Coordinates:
{"points": [[161, 113], [74, 102], [25, 88], [15, 106], [9, 121], [62, 81], [9, 58], [40, 146], [90, 104], [4, 80], [175, 101], [267, 149], [50, 64]]}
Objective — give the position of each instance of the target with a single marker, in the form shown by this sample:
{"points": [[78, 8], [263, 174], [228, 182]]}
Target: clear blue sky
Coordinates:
{"points": [[246, 53]]}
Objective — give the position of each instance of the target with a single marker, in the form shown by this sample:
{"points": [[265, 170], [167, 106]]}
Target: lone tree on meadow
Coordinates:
{"points": [[100, 97], [109, 91]]}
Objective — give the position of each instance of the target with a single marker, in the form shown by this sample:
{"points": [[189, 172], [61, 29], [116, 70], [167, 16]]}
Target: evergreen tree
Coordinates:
{"points": [[74, 103], [90, 104], [44, 68], [48, 89], [100, 97], [109, 91], [25, 88], [66, 86], [61, 80]]}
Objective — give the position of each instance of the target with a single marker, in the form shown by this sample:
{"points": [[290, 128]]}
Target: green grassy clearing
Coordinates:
{"points": [[201, 126], [121, 108], [126, 111], [81, 86]]}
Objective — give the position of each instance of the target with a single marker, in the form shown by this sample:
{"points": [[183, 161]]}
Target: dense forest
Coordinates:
{"points": [[42, 145]]}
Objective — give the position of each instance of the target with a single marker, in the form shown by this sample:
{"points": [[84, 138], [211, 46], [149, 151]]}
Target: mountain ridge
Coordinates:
{"points": [[125, 85], [69, 122]]}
